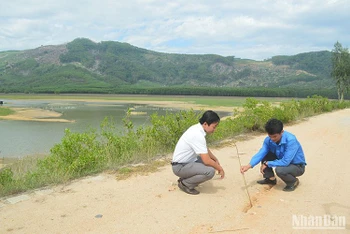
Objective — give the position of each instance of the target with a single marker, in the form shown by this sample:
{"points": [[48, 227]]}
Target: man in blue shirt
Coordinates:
{"points": [[280, 150]]}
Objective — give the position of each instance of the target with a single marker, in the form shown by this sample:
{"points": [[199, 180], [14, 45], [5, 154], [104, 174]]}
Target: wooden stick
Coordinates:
{"points": [[245, 182], [229, 230]]}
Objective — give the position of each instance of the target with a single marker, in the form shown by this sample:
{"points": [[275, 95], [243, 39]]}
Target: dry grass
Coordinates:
{"points": [[141, 169]]}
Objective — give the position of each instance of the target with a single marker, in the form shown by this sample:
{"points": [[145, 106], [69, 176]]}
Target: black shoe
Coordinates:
{"points": [[267, 181], [290, 188], [186, 189]]}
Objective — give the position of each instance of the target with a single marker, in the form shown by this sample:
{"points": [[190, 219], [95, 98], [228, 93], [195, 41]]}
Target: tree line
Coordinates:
{"points": [[197, 91]]}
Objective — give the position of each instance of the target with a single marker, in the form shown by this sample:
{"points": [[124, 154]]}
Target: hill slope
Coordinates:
{"points": [[85, 66]]}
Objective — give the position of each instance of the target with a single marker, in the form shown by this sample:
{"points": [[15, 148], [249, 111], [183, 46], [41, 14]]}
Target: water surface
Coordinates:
{"points": [[22, 138]]}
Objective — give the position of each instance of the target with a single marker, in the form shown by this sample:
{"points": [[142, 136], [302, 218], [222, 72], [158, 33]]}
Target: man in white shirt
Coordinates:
{"points": [[192, 161]]}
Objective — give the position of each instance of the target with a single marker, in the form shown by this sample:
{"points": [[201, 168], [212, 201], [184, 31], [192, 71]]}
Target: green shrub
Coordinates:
{"points": [[255, 114], [166, 130], [6, 176], [118, 148], [78, 154], [288, 111], [226, 129]]}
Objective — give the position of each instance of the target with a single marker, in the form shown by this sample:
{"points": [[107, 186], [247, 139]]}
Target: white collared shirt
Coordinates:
{"points": [[190, 145]]}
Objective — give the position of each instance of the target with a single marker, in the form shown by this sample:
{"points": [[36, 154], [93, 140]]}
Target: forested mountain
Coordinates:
{"points": [[108, 67]]}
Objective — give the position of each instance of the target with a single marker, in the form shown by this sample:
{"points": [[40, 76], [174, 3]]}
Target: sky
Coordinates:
{"points": [[250, 29]]}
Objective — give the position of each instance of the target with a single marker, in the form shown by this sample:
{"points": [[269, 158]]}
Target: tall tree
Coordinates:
{"points": [[341, 69]]}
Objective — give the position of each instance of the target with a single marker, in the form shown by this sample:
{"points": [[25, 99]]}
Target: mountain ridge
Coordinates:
{"points": [[85, 66]]}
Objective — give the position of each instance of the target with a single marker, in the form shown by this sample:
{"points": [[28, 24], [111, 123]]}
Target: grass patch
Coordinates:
{"points": [[144, 169], [6, 111]]}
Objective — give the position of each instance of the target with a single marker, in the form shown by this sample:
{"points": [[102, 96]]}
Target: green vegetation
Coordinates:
{"points": [[6, 111], [225, 91], [312, 63], [81, 154], [341, 69]]}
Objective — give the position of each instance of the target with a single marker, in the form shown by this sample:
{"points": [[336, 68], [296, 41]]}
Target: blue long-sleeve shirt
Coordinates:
{"points": [[288, 151]]}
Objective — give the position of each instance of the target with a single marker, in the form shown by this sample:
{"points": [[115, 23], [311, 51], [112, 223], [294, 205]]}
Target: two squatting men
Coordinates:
{"points": [[194, 163]]}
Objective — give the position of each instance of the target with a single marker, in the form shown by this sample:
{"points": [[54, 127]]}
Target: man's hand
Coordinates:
{"points": [[262, 168], [221, 173], [245, 168]]}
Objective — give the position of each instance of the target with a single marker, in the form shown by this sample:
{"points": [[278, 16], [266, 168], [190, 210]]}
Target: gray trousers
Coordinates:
{"points": [[288, 174], [193, 174]]}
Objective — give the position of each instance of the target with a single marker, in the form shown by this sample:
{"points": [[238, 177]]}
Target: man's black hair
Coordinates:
{"points": [[273, 126], [209, 117]]}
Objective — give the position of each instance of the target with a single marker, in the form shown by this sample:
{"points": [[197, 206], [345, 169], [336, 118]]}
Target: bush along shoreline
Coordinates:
{"points": [[91, 152]]}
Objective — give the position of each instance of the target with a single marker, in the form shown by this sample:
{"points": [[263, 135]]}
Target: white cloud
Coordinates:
{"points": [[256, 29]]}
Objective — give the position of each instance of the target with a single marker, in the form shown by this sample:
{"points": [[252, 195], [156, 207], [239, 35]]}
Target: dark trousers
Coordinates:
{"points": [[288, 174]]}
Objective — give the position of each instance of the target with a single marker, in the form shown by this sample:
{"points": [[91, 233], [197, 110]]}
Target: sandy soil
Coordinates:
{"points": [[172, 104], [154, 204], [34, 114]]}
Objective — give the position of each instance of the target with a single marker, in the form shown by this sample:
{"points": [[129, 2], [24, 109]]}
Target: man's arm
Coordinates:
{"points": [[212, 156], [208, 161], [257, 157]]}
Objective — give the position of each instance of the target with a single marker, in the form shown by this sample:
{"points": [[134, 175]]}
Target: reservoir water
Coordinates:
{"points": [[23, 138]]}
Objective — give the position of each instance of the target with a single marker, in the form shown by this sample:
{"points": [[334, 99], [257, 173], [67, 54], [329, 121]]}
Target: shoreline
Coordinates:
{"points": [[41, 115], [34, 114]]}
